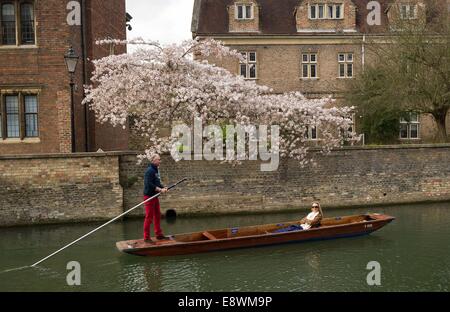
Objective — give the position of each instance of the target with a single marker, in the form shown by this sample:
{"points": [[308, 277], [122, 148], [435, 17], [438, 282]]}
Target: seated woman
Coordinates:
{"points": [[311, 220]]}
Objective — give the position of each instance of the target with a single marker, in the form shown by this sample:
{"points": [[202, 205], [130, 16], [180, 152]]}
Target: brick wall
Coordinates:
{"points": [[347, 22], [41, 67], [107, 19], [81, 187], [349, 177], [248, 25], [59, 188], [279, 66]]}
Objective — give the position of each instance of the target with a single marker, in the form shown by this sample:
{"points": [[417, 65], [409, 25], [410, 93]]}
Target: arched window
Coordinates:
{"points": [[8, 22], [27, 23]]}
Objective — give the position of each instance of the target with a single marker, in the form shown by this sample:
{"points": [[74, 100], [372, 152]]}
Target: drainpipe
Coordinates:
{"points": [[85, 74], [363, 52]]}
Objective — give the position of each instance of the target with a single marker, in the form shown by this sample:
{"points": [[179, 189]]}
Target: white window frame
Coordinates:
{"points": [[248, 63], [408, 7], [244, 11], [352, 125], [408, 126], [309, 133], [326, 14], [346, 62], [308, 63]]}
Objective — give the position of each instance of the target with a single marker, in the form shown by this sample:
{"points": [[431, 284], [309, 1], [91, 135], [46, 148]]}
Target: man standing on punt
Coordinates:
{"points": [[153, 186]]}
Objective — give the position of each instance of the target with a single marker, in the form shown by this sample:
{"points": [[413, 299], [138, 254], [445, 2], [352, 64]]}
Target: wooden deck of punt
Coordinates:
{"points": [[252, 236]]}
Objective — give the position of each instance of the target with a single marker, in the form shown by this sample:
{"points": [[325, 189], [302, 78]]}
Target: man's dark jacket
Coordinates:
{"points": [[151, 181]]}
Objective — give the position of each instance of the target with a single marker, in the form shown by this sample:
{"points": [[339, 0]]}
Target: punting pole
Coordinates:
{"points": [[103, 225]]}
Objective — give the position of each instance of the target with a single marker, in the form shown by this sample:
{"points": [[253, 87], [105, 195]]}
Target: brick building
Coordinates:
{"points": [[311, 46], [35, 106]]}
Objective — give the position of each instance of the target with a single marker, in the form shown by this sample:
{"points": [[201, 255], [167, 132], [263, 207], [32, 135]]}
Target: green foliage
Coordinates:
{"points": [[375, 102], [408, 71]]}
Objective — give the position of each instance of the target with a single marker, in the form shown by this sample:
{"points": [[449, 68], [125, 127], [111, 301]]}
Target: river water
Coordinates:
{"points": [[413, 251]]}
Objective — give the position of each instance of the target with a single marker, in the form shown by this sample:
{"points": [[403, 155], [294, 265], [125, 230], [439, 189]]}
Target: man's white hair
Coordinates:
{"points": [[153, 157]]}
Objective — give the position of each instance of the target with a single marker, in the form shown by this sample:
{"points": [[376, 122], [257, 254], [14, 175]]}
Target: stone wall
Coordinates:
{"points": [[59, 188], [98, 186], [349, 177]]}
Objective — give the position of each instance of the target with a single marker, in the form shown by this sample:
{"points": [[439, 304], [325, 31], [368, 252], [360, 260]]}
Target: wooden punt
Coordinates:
{"points": [[252, 236]]}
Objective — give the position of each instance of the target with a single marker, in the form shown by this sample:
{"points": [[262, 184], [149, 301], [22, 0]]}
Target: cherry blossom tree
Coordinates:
{"points": [[160, 85]]}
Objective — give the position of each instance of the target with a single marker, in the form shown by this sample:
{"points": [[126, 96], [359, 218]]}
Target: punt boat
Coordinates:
{"points": [[253, 236]]}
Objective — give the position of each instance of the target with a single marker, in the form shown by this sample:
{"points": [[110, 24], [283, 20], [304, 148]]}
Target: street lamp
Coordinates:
{"points": [[71, 59]]}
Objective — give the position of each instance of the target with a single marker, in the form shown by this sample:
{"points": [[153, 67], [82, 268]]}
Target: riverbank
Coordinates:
{"points": [[59, 188]]}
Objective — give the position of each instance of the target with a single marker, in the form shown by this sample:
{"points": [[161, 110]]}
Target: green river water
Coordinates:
{"points": [[413, 251]]}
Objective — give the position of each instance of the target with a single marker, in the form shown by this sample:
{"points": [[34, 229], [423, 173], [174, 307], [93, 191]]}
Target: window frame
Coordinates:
{"points": [[325, 12], [16, 95], [408, 7], [346, 63], [408, 124], [244, 11], [18, 23], [248, 63], [21, 94], [309, 64], [19, 14], [14, 3], [25, 114], [309, 133]]}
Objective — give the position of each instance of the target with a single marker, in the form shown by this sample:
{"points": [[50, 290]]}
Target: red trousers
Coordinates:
{"points": [[152, 215]]}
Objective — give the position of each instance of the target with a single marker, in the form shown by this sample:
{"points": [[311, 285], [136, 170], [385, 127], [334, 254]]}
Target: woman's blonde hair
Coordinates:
{"points": [[320, 208]]}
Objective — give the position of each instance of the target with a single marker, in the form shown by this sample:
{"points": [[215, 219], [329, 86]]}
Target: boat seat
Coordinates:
{"points": [[209, 236]]}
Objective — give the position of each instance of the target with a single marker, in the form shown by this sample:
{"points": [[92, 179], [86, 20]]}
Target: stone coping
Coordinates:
{"points": [[125, 153]]}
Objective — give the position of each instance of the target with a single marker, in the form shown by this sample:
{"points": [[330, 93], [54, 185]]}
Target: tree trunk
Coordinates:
{"points": [[441, 135]]}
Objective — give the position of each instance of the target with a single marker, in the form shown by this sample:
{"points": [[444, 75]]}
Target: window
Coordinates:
{"points": [[321, 13], [31, 116], [311, 133], [326, 11], [345, 61], [312, 12], [17, 23], [408, 11], [244, 11], [19, 116], [8, 22], [409, 126], [309, 65], [12, 116], [247, 68], [351, 128], [27, 23]]}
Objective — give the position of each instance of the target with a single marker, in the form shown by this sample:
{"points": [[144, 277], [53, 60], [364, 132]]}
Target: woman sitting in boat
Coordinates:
{"points": [[311, 220]]}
